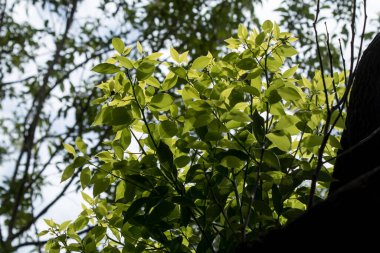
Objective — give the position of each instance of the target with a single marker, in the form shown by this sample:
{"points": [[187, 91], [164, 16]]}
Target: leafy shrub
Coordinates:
{"points": [[205, 154]]}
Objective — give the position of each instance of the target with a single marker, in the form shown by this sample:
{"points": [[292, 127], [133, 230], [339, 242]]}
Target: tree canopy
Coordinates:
{"points": [[217, 160], [208, 144]]}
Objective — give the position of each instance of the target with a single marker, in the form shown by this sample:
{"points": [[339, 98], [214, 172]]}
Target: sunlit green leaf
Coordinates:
{"points": [[267, 26], [145, 70], [161, 101], [289, 93], [167, 129], [247, 64], [105, 68], [85, 177], [120, 189], [286, 51], [201, 62], [81, 145], [100, 186], [118, 45], [280, 141], [67, 173], [70, 149]]}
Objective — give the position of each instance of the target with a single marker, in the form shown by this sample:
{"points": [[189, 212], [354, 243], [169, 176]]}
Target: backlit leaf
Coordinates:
{"points": [[280, 141], [105, 68], [200, 62], [118, 44]]}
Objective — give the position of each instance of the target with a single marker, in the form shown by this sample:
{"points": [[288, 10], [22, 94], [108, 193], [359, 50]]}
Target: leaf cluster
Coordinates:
{"points": [[218, 151]]}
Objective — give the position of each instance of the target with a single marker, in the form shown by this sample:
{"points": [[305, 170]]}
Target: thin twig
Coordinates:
{"points": [[328, 117]]}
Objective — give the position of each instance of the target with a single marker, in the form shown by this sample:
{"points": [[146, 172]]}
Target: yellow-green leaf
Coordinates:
{"points": [[118, 44], [139, 47], [174, 54], [201, 62], [70, 149], [280, 141]]}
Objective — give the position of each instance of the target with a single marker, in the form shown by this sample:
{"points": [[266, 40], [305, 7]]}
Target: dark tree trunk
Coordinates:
{"points": [[363, 117]]}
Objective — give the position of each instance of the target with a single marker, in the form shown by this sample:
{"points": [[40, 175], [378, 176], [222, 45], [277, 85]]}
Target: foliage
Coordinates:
{"points": [[217, 152], [47, 48], [195, 26], [298, 16]]}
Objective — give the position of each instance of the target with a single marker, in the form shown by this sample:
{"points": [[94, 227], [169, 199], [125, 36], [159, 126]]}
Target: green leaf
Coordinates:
{"points": [[286, 51], [247, 64], [201, 62], [289, 93], [267, 26], [277, 199], [260, 39], [273, 64], [276, 31], [237, 116], [312, 141], [140, 96], [179, 71], [118, 44], [81, 145], [79, 161], [182, 161], [161, 101], [152, 81], [105, 68], [42, 233], [242, 32], [80, 223], [280, 141], [67, 173], [170, 81], [231, 162], [85, 177], [100, 186], [50, 223], [271, 159], [125, 138], [134, 208], [154, 56], [145, 70], [125, 62], [161, 211], [139, 47], [334, 142], [165, 157], [113, 116], [167, 129], [64, 225], [87, 198], [70, 149], [251, 90], [286, 121], [233, 43], [174, 54], [290, 72], [120, 190]]}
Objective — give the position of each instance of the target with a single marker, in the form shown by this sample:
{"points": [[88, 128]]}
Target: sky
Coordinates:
{"points": [[70, 206]]}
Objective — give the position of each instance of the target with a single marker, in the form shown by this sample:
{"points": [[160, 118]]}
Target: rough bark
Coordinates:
{"points": [[363, 117]]}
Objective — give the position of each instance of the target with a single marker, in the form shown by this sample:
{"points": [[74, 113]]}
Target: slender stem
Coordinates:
{"points": [[328, 117], [331, 63], [253, 194]]}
